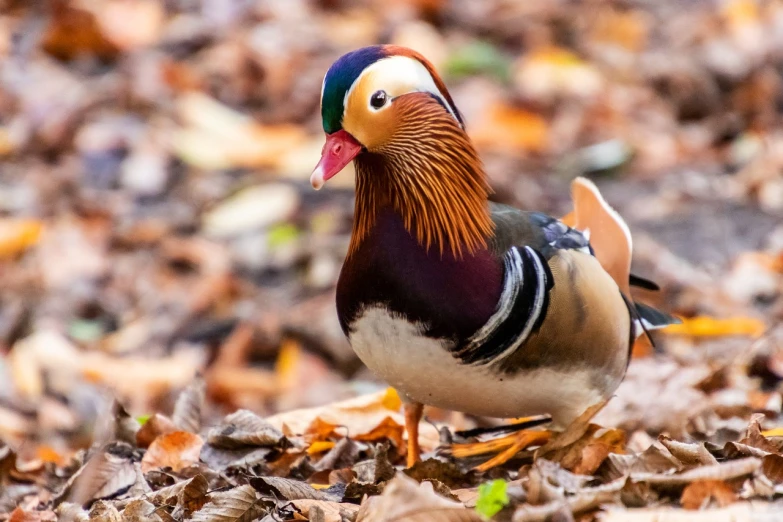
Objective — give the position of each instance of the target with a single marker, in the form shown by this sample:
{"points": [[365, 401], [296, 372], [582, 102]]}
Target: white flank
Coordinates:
{"points": [[425, 371]]}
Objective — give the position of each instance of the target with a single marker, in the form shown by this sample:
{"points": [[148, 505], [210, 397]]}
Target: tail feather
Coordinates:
{"points": [[652, 318], [609, 235]]}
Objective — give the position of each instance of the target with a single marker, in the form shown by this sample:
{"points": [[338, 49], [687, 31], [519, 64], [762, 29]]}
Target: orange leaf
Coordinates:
{"points": [[49, 454], [702, 492], [387, 429], [741, 12], [774, 432], [509, 128], [391, 400], [319, 429], [17, 235], [704, 326], [176, 450], [288, 360], [320, 446], [627, 29], [20, 515]]}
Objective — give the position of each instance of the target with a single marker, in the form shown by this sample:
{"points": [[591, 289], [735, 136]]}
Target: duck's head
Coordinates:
{"points": [[386, 108], [368, 96]]}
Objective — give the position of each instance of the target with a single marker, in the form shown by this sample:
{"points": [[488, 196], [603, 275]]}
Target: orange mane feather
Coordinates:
{"points": [[431, 175]]}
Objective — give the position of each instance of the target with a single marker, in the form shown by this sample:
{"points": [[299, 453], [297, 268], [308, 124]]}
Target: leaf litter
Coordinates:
{"points": [[156, 226]]}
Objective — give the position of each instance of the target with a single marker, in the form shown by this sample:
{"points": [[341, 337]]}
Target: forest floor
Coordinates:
{"points": [[169, 347]]}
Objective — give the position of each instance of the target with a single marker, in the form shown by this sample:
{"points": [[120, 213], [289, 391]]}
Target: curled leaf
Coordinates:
{"points": [[238, 504], [176, 450]]}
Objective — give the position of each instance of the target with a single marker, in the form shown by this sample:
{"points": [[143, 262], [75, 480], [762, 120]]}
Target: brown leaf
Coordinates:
{"points": [[107, 473], [342, 455], [324, 510], [124, 427], [104, 512], [141, 511], [377, 470], [155, 426], [287, 489], [586, 499], [702, 493], [176, 450], [693, 454], [754, 437], [219, 459], [186, 493], [772, 467], [187, 410], [235, 505], [194, 495], [724, 471], [244, 428], [432, 469], [404, 500], [74, 31]]}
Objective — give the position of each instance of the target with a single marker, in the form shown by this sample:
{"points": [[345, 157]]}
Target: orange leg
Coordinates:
{"points": [[413, 412], [505, 447]]}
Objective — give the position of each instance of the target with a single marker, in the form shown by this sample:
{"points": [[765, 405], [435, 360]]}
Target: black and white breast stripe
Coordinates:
{"points": [[520, 312]]}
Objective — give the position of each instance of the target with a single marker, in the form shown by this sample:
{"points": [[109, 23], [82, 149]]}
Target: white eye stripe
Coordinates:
{"points": [[399, 75]]}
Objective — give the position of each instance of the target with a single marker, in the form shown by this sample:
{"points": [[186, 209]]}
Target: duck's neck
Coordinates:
{"points": [[438, 188]]}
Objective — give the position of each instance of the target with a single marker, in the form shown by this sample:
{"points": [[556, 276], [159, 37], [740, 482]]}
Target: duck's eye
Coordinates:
{"points": [[378, 99]]}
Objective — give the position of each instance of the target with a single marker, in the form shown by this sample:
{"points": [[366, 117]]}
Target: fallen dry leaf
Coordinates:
{"points": [[107, 473], [155, 426], [238, 504], [244, 428], [21, 515], [131, 24], [287, 489], [354, 417], [141, 511], [17, 235], [176, 450], [188, 408], [405, 500], [508, 128], [104, 512], [324, 510], [713, 327], [74, 31], [702, 493]]}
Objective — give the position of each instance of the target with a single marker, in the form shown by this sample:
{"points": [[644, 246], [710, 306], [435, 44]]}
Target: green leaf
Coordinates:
{"points": [[492, 497], [478, 58], [86, 330], [142, 419], [281, 235]]}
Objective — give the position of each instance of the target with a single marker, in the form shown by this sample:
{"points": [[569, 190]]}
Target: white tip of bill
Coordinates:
{"points": [[317, 178]]}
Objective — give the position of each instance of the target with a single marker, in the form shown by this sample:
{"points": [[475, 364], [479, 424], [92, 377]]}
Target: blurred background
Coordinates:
{"points": [[156, 218]]}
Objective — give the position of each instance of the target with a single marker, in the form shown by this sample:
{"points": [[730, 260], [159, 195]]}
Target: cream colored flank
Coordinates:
{"points": [[422, 369]]}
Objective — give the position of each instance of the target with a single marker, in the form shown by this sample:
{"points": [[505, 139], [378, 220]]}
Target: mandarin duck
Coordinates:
{"points": [[455, 301]]}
